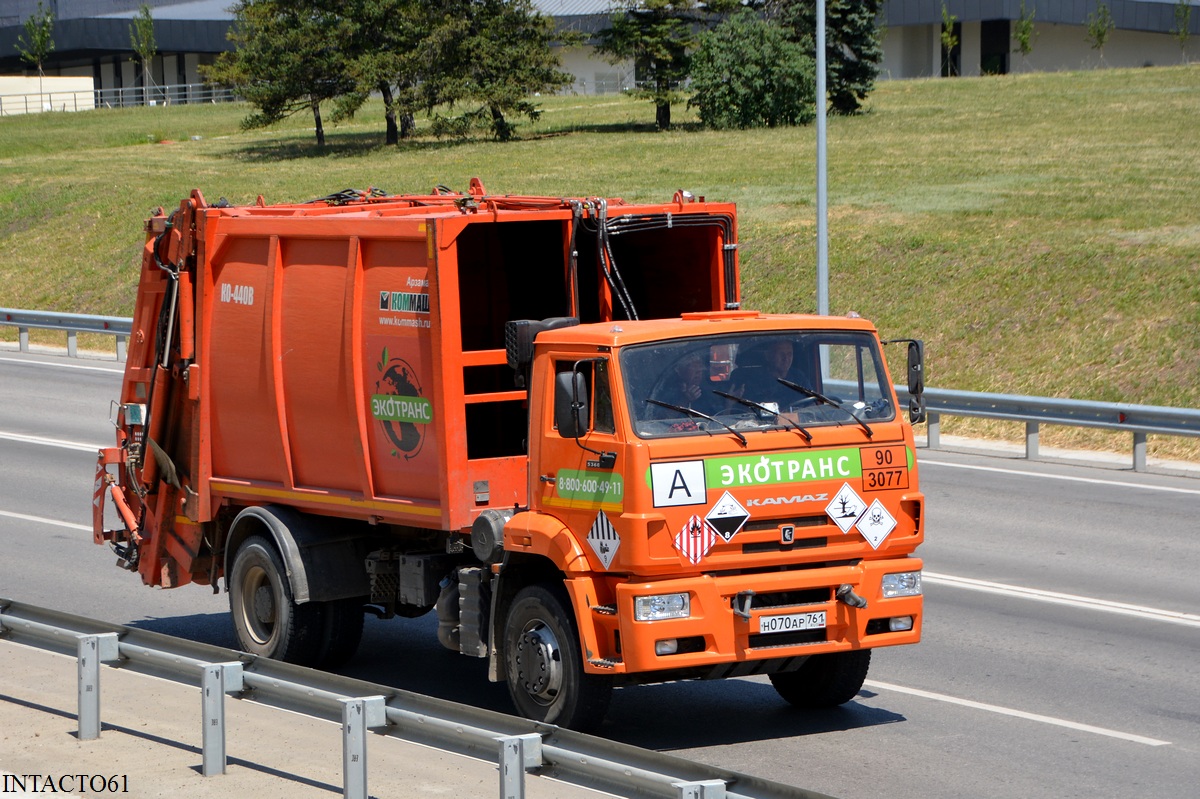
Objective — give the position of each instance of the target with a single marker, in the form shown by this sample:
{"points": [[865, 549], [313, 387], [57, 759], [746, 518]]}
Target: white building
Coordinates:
{"points": [[92, 38]]}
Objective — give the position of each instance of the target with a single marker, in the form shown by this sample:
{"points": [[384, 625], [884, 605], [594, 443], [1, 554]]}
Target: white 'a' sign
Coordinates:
{"points": [[678, 483]]}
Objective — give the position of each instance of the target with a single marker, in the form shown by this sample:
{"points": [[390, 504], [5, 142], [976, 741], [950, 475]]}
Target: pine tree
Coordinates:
{"points": [[288, 58], [853, 44], [659, 36]]}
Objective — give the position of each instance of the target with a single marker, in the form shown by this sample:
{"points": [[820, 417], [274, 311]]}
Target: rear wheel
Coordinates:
{"points": [[825, 681], [266, 619], [544, 666]]}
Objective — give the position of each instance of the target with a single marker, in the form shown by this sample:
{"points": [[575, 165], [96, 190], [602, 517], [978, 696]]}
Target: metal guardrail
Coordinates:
{"points": [[69, 322], [517, 745], [1139, 420]]}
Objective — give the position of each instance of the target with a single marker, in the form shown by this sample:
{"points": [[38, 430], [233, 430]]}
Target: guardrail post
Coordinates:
{"points": [[23, 339], [705, 789], [121, 348], [1031, 441], [72, 346], [518, 753], [93, 650], [1139, 452], [358, 715], [933, 432], [218, 679]]}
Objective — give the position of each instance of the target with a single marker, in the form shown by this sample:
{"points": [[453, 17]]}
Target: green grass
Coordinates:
{"points": [[1040, 232]]}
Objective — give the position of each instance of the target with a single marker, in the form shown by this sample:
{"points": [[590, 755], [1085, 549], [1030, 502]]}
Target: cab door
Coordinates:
{"points": [[578, 473]]}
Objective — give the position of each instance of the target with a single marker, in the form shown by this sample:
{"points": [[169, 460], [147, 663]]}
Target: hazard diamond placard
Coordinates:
{"points": [[875, 524], [845, 508], [727, 517]]}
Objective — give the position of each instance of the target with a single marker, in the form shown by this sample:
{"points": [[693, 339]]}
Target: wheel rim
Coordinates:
{"points": [[259, 605], [539, 663]]}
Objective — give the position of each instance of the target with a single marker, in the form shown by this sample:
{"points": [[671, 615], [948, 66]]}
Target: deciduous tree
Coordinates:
{"points": [[39, 28], [746, 73], [1099, 28], [141, 38]]}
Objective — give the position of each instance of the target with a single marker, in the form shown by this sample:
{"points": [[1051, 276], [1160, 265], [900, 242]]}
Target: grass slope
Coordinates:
{"points": [[1040, 232]]}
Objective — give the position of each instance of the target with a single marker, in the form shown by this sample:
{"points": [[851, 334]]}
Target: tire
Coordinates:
{"points": [[544, 666], [266, 619], [824, 681], [343, 629]]}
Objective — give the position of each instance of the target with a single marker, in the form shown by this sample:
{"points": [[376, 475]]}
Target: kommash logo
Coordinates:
{"points": [[398, 405], [413, 306], [403, 301]]}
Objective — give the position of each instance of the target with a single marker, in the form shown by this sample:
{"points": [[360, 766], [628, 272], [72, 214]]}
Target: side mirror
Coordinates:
{"points": [[916, 381], [571, 412]]}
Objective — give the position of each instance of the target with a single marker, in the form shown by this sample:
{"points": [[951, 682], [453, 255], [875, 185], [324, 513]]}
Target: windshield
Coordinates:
{"points": [[747, 382]]}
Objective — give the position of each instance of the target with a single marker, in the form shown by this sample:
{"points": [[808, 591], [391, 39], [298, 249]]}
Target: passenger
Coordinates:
{"points": [[687, 385]]}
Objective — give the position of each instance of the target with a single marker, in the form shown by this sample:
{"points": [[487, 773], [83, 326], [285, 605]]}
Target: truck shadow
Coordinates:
{"points": [[694, 715], [405, 654]]}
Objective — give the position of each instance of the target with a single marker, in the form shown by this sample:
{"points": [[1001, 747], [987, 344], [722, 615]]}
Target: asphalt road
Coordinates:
{"points": [[1060, 656]]}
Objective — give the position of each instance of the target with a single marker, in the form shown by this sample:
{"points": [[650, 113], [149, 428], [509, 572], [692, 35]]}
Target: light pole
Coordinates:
{"points": [[822, 200]]}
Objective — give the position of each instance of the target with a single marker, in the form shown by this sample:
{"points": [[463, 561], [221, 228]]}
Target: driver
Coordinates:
{"points": [[758, 381]]}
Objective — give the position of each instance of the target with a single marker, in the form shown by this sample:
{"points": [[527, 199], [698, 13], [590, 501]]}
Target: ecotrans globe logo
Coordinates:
{"points": [[399, 407]]}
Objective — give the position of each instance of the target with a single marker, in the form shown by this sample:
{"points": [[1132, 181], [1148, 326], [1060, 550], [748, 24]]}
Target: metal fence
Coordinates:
{"points": [[175, 94], [124, 97], [20, 104], [516, 745], [1137, 420]]}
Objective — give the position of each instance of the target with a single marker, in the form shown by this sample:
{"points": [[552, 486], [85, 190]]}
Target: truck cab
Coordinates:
{"points": [[725, 494]]}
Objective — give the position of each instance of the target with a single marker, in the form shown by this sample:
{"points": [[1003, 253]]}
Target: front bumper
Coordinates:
{"points": [[718, 638]]}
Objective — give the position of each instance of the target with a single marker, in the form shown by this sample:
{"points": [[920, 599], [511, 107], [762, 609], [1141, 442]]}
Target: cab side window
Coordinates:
{"points": [[599, 391]]}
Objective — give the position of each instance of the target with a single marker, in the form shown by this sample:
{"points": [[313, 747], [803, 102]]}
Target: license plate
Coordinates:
{"points": [[792, 622]]}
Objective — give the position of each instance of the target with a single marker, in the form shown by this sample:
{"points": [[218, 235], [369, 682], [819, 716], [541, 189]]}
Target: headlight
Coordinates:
{"points": [[903, 584], [663, 606]]}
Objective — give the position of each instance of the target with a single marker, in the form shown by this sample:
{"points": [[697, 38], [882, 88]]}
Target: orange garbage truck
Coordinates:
{"points": [[547, 420]]}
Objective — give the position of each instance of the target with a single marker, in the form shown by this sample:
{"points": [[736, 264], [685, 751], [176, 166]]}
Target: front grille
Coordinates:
{"points": [[783, 599], [795, 521], [775, 640], [755, 547]]}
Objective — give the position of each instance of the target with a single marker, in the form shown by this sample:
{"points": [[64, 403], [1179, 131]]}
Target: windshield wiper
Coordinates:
{"points": [[808, 392], [701, 414], [752, 404]]}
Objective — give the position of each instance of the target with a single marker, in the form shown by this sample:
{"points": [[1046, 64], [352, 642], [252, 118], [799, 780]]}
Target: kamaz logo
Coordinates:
{"points": [[759, 503]]}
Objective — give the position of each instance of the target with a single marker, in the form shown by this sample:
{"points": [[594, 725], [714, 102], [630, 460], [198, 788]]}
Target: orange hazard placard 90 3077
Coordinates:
{"points": [[884, 467]]}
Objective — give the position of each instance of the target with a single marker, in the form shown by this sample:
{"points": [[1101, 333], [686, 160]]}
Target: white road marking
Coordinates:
{"points": [[84, 367], [1022, 473], [1071, 600], [51, 442], [1021, 714], [42, 520]]}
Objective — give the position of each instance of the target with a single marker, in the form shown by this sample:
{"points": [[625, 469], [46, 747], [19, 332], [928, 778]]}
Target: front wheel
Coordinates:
{"points": [[544, 666], [825, 681]]}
